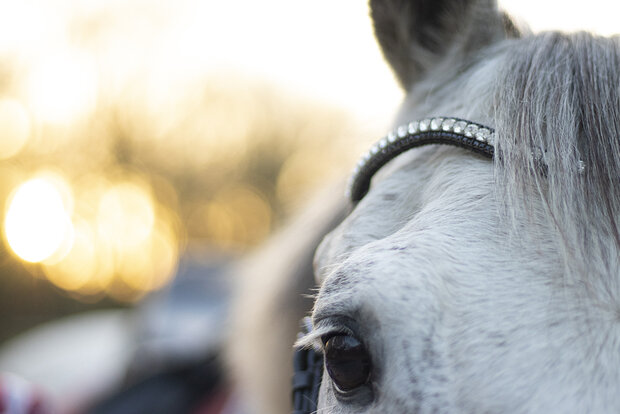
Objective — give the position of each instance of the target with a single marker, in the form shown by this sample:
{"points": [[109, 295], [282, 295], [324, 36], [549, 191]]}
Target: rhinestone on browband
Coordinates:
{"points": [[448, 131]]}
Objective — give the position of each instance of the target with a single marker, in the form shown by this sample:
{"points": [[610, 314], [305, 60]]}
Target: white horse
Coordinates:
{"points": [[463, 284]]}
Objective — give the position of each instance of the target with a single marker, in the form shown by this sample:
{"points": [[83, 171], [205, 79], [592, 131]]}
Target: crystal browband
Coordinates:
{"points": [[449, 131]]}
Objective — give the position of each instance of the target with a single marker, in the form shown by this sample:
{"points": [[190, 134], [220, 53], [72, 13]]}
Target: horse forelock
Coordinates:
{"points": [[557, 117]]}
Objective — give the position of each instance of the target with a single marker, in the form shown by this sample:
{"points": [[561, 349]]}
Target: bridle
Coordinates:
{"points": [[447, 131], [307, 363], [308, 370]]}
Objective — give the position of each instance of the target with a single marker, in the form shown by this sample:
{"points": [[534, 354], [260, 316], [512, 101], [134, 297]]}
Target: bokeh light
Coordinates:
{"points": [[79, 265], [151, 264], [37, 222], [160, 138], [125, 217]]}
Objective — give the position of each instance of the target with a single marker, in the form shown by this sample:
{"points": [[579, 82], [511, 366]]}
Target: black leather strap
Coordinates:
{"points": [[308, 371]]}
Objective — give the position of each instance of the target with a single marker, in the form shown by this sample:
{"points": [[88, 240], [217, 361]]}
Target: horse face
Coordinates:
{"points": [[428, 301], [423, 275]]}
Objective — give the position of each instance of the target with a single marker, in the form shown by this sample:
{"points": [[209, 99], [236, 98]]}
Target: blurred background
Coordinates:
{"points": [[133, 133], [139, 134]]}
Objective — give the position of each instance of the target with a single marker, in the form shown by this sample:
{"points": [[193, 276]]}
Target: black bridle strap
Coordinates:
{"points": [[308, 371], [447, 131]]}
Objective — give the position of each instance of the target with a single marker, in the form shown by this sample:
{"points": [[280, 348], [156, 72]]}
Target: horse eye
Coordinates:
{"points": [[347, 362]]}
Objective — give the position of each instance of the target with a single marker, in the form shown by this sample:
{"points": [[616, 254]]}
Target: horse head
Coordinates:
{"points": [[460, 284]]}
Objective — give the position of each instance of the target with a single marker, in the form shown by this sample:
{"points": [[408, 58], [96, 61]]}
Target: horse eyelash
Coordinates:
{"points": [[313, 339]]}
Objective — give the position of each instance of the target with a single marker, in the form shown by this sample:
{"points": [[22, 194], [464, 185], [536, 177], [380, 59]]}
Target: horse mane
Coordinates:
{"points": [[557, 113]]}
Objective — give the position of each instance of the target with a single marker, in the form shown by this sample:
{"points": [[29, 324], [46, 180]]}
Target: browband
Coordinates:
{"points": [[449, 131]]}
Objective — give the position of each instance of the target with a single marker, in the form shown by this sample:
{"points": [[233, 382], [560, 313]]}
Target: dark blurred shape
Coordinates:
{"points": [[179, 390], [179, 334]]}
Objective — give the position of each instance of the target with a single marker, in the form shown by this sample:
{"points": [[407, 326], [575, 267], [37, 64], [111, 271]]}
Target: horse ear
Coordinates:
{"points": [[417, 35]]}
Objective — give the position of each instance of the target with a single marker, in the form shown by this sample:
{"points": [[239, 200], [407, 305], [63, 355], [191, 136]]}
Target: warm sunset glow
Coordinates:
{"points": [[126, 215], [23, 24], [37, 224], [152, 264], [14, 128], [79, 265], [62, 88], [103, 265]]}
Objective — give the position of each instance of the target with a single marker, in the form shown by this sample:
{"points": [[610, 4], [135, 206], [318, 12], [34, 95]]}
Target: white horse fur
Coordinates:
{"points": [[482, 286]]}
